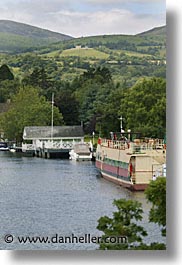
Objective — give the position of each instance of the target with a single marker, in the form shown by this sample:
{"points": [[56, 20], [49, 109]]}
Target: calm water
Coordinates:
{"points": [[40, 197]]}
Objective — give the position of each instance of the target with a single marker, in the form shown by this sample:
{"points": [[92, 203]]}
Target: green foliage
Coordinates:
{"points": [[38, 78], [97, 101], [156, 194], [5, 73], [108, 108], [8, 88], [152, 246], [144, 107], [91, 90], [27, 109], [128, 57], [95, 89], [100, 74], [123, 224], [68, 106], [115, 42]]}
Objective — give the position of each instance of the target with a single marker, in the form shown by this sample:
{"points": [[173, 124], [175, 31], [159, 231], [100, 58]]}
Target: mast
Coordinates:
{"points": [[52, 118]]}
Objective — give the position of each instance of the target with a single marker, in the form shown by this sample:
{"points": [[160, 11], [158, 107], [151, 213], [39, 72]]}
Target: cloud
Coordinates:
{"points": [[63, 16], [123, 1], [104, 3], [115, 21]]}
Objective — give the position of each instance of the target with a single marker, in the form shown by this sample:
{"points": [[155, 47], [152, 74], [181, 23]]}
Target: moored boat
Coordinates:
{"points": [[4, 146], [131, 164], [81, 152], [12, 150]]}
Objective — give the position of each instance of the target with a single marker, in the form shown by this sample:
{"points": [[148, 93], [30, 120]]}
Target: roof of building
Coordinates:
{"points": [[44, 132]]}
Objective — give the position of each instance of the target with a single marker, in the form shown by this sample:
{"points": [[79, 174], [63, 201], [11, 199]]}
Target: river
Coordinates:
{"points": [[45, 197]]}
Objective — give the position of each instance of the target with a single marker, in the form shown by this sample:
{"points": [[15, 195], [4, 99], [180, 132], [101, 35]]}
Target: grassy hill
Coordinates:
{"points": [[128, 57], [154, 37], [159, 31], [18, 37], [83, 53]]}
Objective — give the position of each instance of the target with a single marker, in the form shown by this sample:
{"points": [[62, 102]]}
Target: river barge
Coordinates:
{"points": [[131, 164]]}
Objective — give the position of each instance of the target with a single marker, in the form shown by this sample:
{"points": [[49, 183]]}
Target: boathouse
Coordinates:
{"points": [[49, 141]]}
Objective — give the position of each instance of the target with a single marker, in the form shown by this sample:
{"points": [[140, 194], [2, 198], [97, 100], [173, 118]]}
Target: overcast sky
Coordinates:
{"points": [[87, 17]]}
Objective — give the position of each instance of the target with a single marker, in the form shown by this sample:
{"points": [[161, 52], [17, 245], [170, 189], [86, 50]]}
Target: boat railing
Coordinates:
{"points": [[112, 144], [158, 171], [135, 147]]}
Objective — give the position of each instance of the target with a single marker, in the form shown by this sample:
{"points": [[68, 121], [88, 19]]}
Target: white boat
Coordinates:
{"points": [[4, 146], [81, 152], [12, 150]]}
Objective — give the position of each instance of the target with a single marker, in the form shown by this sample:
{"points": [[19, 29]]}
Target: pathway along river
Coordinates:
{"points": [[40, 197]]}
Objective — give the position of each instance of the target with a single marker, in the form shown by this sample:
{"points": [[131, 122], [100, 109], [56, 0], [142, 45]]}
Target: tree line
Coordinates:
{"points": [[92, 99]]}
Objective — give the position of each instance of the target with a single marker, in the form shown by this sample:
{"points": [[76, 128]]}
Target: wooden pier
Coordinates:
{"points": [[52, 153]]}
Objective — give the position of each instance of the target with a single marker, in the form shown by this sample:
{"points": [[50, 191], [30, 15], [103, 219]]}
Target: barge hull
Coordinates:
{"points": [[125, 184]]}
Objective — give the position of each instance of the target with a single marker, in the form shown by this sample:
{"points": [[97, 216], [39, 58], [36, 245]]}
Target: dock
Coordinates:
{"points": [[51, 142]]}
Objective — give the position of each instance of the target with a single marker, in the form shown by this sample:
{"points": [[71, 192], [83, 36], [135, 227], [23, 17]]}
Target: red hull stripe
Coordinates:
{"points": [[113, 170], [120, 180], [98, 164], [116, 176]]}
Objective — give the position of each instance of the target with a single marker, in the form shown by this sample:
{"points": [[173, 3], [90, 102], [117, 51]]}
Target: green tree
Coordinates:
{"points": [[68, 106], [144, 107], [124, 221], [7, 89], [123, 224], [38, 78], [100, 74], [156, 194], [5, 73], [28, 109], [91, 91], [109, 107]]}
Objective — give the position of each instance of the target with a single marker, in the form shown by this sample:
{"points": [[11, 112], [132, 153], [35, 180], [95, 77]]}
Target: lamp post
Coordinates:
{"points": [[129, 136], [121, 125], [93, 134]]}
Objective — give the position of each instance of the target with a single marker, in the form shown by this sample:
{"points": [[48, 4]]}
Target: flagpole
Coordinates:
{"points": [[52, 119]]}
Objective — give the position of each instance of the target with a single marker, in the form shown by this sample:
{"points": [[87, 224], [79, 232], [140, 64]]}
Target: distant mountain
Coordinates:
{"points": [[151, 43], [25, 30], [19, 37], [154, 32], [128, 57]]}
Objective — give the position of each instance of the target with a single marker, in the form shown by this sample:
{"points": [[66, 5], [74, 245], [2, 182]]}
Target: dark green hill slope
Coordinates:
{"points": [[147, 42], [128, 57], [19, 37], [159, 31]]}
